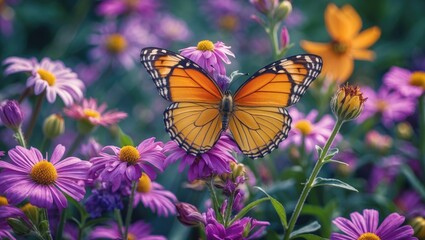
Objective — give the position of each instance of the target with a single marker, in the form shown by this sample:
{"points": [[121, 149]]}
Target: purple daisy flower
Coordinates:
{"points": [[11, 212], [137, 230], [124, 165], [390, 104], [173, 29], [48, 76], [366, 226], [210, 56], [7, 14], [214, 162], [308, 128], [385, 171], [120, 45], [145, 8], [31, 176], [408, 83], [102, 201], [410, 204], [155, 197], [228, 15], [238, 230], [91, 149]]}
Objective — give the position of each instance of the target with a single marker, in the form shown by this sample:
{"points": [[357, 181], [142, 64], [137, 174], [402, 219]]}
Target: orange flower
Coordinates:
{"points": [[347, 44]]}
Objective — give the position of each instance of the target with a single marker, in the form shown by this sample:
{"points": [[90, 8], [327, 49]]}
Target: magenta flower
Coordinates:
{"points": [[214, 162], [406, 82], [308, 128], [7, 14], [11, 114], [48, 76], [126, 164], [230, 15], [91, 149], [11, 212], [120, 45], [31, 176], [173, 29], [155, 197], [385, 171], [244, 228], [410, 204], [137, 230], [96, 115], [390, 104], [145, 8], [366, 226], [210, 56]]}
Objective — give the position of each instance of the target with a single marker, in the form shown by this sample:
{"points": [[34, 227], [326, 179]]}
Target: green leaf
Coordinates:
{"points": [[332, 182], [312, 227], [247, 208], [278, 207], [319, 150], [331, 153], [337, 161], [310, 237], [96, 221], [124, 139], [413, 180]]}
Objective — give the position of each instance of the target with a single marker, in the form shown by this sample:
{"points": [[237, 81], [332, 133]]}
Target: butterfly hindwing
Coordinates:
{"points": [[281, 83], [259, 130], [177, 78], [196, 127]]}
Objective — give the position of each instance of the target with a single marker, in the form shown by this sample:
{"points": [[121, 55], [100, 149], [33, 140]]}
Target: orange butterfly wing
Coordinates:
{"points": [[259, 121], [193, 120]]}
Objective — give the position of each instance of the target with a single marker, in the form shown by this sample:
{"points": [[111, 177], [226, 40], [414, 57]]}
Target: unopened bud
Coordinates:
{"points": [[238, 170], [188, 214], [11, 114], [348, 102], [284, 37], [19, 227], [404, 130], [32, 212], [53, 126], [418, 225], [283, 10], [265, 6]]}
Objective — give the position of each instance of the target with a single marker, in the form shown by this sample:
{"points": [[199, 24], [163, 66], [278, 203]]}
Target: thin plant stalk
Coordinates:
{"points": [[34, 115], [130, 209], [75, 144], [61, 225], [118, 218], [214, 199], [20, 137], [309, 185]]}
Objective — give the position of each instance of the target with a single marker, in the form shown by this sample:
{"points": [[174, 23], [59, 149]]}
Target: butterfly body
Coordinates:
{"points": [[255, 114]]}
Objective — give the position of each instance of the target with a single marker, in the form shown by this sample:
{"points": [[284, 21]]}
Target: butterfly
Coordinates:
{"points": [[255, 114]]}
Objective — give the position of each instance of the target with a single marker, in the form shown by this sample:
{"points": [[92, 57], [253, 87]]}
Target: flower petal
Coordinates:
{"points": [[366, 38], [363, 54], [338, 24]]}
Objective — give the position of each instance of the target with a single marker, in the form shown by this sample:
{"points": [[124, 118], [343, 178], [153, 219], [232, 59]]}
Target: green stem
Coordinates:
{"points": [[422, 130], [309, 185], [34, 115], [229, 209], [272, 32], [24, 94], [61, 225], [45, 144], [20, 137], [118, 218], [46, 217], [75, 144], [214, 199], [130, 209]]}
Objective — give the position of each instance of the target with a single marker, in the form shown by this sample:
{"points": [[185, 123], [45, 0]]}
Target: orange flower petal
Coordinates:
{"points": [[315, 48], [338, 24], [366, 38], [363, 54], [353, 17], [337, 67]]}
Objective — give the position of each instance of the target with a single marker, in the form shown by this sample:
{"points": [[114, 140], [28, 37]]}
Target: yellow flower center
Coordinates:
{"points": [[417, 79], [132, 3], [145, 184], [381, 105], [304, 126], [44, 173], [368, 236], [47, 76], [228, 22], [131, 236], [129, 154], [205, 45], [3, 201], [339, 47], [116, 43], [91, 113]]}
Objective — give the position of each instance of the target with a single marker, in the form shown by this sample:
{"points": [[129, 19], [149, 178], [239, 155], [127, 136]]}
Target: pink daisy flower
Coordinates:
{"points": [[210, 56], [155, 197], [308, 128], [48, 76], [117, 7], [96, 115], [406, 82], [214, 162], [367, 226], [120, 45], [173, 29], [31, 176], [126, 164], [389, 104], [137, 230]]}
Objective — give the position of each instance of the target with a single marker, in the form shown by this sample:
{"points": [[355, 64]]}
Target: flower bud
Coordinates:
{"points": [[283, 11], [53, 126], [11, 114], [264, 6], [284, 37], [348, 102], [404, 130], [19, 227], [32, 212], [188, 214], [418, 225]]}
